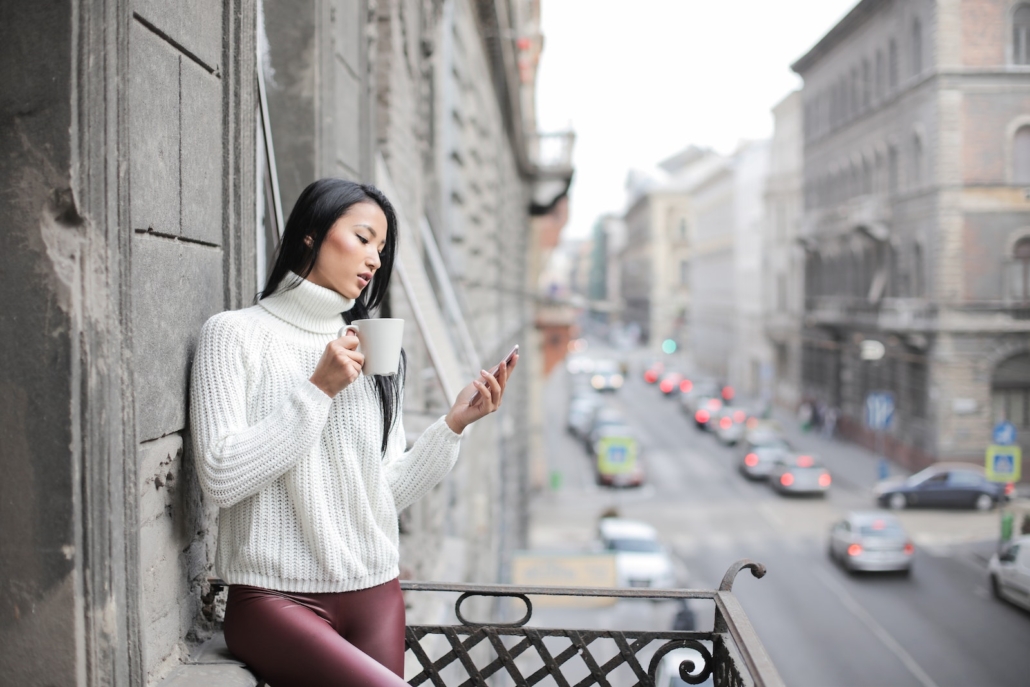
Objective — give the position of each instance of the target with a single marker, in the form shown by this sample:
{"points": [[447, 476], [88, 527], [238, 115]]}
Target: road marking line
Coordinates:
{"points": [[849, 602]]}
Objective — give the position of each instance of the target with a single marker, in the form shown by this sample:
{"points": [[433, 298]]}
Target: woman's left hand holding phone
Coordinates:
{"points": [[481, 397], [339, 365]]}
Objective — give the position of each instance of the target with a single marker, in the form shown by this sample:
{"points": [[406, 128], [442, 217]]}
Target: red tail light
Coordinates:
{"points": [[686, 385], [714, 404], [752, 422], [650, 376], [824, 480], [805, 461], [786, 479], [854, 550], [739, 416], [751, 460], [701, 416], [909, 548], [666, 386], [725, 423], [727, 393], [1009, 488]]}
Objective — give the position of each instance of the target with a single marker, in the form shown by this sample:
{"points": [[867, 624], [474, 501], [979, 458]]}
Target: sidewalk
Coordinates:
{"points": [[849, 463]]}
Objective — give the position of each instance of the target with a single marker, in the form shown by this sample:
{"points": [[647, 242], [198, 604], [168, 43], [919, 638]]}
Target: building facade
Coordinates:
{"points": [[655, 260], [148, 152], [782, 255], [916, 221]]}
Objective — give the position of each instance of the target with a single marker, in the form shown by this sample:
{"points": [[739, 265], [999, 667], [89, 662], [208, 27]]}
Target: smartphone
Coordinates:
{"points": [[508, 360]]}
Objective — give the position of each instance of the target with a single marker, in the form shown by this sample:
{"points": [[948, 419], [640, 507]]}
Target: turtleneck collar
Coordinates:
{"points": [[307, 305]]}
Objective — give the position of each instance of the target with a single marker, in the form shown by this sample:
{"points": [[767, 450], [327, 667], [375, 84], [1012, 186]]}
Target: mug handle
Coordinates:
{"points": [[346, 329]]}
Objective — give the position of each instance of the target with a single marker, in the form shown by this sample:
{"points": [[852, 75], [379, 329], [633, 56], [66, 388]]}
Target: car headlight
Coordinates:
{"points": [[597, 381], [617, 381]]}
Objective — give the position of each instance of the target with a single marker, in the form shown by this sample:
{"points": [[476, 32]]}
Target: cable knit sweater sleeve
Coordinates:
{"points": [[411, 474], [236, 458]]}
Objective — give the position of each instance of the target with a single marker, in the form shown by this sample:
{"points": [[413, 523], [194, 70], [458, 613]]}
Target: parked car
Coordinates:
{"points": [[606, 375], [580, 415], [944, 485], [733, 421], [702, 409], [758, 459], [640, 558], [668, 674], [873, 541], [653, 372], [670, 383], [1009, 571], [799, 474], [603, 416]]}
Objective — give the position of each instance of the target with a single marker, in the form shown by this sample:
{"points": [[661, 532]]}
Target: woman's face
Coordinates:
{"points": [[350, 252]]}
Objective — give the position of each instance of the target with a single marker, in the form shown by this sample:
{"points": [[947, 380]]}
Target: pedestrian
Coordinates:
{"points": [[830, 422], [805, 416], [306, 458]]}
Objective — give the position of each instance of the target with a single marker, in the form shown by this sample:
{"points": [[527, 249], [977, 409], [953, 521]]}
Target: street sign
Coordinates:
{"points": [[879, 410], [1004, 433], [1003, 463], [616, 455]]}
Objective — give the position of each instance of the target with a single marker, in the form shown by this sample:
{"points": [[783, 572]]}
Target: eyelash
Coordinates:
{"points": [[365, 241]]}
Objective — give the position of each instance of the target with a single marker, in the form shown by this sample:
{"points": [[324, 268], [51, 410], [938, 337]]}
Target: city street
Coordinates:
{"points": [[821, 626]]}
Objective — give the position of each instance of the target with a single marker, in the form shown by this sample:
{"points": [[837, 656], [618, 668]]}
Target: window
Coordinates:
{"points": [[684, 272], [917, 389], [892, 171], [1021, 156], [879, 74], [1010, 391], [1021, 35], [917, 161], [683, 229], [1019, 271], [917, 47], [918, 279], [867, 85], [892, 65]]}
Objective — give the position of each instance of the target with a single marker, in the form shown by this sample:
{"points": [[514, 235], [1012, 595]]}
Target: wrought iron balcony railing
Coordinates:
{"points": [[470, 653]]}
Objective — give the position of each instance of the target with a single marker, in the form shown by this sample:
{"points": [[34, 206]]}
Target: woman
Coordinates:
{"points": [[305, 456]]}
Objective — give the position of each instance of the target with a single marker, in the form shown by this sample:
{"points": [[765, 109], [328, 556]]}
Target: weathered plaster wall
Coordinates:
{"points": [[38, 602]]}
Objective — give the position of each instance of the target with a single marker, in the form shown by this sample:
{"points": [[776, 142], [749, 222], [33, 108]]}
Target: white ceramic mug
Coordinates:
{"points": [[380, 341]]}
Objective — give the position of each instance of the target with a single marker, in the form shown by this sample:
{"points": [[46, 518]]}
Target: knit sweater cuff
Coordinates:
{"points": [[311, 393]]}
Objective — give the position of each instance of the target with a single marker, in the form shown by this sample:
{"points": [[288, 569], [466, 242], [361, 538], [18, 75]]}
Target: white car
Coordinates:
{"points": [[668, 674], [1010, 573], [640, 558]]}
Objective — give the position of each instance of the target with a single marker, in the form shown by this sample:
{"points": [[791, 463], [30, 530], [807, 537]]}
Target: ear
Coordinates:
{"points": [[309, 241]]}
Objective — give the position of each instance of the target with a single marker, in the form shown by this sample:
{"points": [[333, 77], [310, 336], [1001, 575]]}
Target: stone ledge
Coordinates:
{"points": [[212, 666]]}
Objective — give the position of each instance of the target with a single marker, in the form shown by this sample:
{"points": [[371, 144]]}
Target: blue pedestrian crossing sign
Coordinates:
{"points": [[1003, 463], [1004, 433]]}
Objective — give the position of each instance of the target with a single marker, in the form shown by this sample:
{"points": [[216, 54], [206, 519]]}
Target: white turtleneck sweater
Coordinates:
{"points": [[308, 501]]}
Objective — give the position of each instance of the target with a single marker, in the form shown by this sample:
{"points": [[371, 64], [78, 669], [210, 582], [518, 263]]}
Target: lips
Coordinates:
{"points": [[365, 278]]}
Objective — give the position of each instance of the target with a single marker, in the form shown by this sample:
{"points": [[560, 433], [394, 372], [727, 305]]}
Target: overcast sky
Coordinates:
{"points": [[639, 80]]}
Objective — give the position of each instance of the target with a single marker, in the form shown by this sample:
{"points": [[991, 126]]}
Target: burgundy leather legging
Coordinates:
{"points": [[349, 639]]}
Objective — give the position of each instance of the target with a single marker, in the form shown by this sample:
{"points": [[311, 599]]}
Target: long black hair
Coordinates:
{"points": [[317, 209]]}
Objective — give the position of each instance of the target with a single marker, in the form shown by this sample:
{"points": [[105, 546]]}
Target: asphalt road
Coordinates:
{"points": [[821, 626]]}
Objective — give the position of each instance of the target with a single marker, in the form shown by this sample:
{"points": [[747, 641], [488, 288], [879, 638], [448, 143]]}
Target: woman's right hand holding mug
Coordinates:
{"points": [[339, 366]]}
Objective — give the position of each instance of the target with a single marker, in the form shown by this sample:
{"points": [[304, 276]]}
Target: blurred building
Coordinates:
{"points": [[604, 289], [916, 167], [782, 297], [148, 154], [656, 257], [727, 340]]}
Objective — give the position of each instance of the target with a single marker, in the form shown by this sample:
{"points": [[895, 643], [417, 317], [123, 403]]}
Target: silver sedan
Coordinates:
{"points": [[873, 541]]}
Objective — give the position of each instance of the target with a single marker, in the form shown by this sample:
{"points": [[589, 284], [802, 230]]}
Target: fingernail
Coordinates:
{"points": [[484, 373]]}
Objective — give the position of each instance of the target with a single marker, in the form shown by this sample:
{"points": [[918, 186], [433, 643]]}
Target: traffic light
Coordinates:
{"points": [[668, 346]]}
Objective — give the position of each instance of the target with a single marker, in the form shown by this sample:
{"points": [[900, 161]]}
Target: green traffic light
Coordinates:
{"points": [[668, 346]]}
